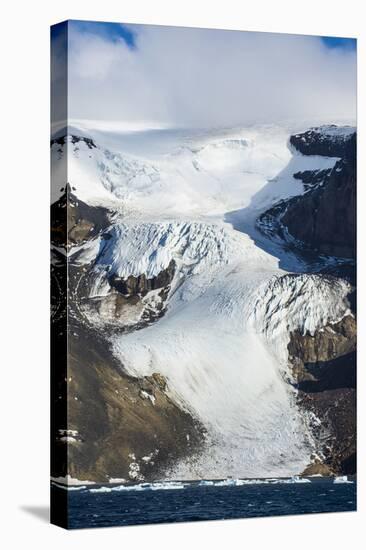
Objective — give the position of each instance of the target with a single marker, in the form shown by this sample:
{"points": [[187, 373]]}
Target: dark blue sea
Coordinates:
{"points": [[112, 506]]}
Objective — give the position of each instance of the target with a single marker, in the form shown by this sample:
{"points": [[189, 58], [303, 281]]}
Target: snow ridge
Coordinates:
{"points": [[334, 131]]}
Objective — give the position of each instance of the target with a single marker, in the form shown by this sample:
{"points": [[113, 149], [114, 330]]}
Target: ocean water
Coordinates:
{"points": [[113, 506]]}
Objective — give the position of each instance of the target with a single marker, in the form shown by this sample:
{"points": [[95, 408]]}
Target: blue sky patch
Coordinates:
{"points": [[113, 32], [333, 42]]}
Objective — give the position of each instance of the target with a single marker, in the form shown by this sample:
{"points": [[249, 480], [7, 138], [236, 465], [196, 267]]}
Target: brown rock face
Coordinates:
{"points": [[336, 410], [74, 222], [317, 469], [324, 367], [124, 427], [141, 285], [333, 341]]}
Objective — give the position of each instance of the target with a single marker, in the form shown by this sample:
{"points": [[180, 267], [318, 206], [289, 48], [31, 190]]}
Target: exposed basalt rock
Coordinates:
{"points": [[270, 221], [312, 178], [158, 379], [318, 469], [324, 368], [324, 219], [74, 139], [331, 374], [129, 304], [74, 222], [336, 410], [141, 285], [110, 311], [331, 342], [316, 141], [114, 307], [126, 427]]}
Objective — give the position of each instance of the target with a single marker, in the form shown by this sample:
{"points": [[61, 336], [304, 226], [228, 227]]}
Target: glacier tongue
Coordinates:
{"points": [[222, 345]]}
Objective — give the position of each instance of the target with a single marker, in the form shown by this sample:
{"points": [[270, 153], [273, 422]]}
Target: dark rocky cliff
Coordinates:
{"points": [[324, 368], [141, 285], [323, 220], [324, 142], [74, 221], [325, 217]]}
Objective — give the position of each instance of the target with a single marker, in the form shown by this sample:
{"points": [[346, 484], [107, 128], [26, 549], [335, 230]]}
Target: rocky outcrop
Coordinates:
{"points": [[323, 220], [326, 141], [331, 342], [124, 311], [336, 410], [317, 469], [74, 139], [128, 304], [312, 178], [324, 369], [74, 221], [141, 285]]}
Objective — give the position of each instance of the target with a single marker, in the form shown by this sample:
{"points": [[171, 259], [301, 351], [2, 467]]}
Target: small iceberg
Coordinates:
{"points": [[298, 479], [342, 479], [166, 485], [229, 482], [157, 486], [225, 483]]}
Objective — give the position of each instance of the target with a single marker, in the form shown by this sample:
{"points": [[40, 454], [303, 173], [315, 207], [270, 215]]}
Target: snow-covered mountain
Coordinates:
{"points": [[180, 172], [186, 203]]}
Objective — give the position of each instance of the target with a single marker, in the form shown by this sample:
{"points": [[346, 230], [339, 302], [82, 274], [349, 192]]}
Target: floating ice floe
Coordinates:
{"points": [[342, 479], [171, 485], [158, 486]]}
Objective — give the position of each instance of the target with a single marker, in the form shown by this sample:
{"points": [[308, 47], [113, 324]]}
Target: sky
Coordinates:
{"points": [[184, 77]]}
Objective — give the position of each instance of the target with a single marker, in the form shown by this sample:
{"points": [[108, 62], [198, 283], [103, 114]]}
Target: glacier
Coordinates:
{"points": [[222, 342]]}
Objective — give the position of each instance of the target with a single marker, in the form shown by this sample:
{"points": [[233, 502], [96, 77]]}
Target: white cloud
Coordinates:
{"points": [[197, 77]]}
